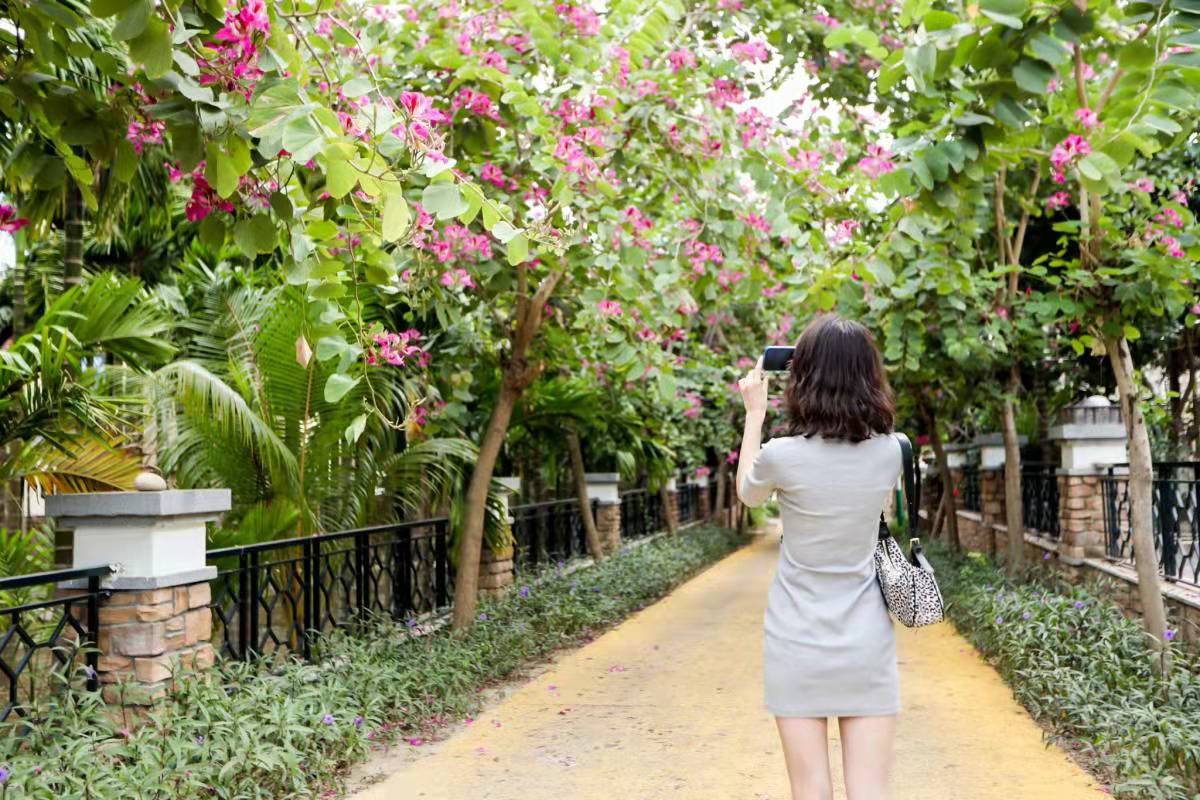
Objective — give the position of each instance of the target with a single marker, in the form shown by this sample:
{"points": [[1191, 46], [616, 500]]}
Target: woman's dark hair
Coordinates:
{"points": [[838, 388]]}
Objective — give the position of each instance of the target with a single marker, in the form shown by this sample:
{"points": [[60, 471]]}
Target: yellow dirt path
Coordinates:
{"points": [[669, 705]]}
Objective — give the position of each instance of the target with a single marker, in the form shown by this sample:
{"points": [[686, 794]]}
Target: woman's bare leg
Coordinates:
{"points": [[806, 751], [867, 753]]}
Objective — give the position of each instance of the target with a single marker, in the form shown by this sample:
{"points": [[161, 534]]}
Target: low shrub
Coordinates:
{"points": [[1084, 670], [291, 729]]}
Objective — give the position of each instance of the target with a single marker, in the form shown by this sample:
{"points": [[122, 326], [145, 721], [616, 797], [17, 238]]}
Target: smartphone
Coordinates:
{"points": [[777, 359]]}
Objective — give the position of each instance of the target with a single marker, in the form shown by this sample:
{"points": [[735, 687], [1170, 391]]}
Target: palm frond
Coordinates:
{"points": [[91, 465]]}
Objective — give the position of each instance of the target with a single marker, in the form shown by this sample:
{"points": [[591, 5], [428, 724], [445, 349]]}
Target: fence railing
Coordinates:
{"points": [[1039, 498], [687, 502], [1175, 498], [49, 619], [271, 597], [969, 493], [641, 513], [546, 533]]}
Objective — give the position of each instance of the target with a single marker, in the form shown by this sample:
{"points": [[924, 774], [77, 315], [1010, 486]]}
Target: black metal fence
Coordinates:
{"points": [[546, 533], [1039, 498], [50, 619], [641, 513], [969, 493], [1175, 498], [269, 598], [687, 499]]}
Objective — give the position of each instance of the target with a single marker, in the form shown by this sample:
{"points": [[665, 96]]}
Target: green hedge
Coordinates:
{"points": [[1083, 669], [292, 729]]}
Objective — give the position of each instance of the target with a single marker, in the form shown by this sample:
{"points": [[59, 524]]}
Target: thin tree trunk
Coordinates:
{"points": [[1141, 510], [939, 517], [73, 238], [722, 480], [595, 547], [1191, 370], [1175, 392], [951, 506], [516, 375], [1013, 513]]}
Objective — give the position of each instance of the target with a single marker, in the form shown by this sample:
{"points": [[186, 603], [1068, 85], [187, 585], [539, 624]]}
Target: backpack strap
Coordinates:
{"points": [[910, 481]]}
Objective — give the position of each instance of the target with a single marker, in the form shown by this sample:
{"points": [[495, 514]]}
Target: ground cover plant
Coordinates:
{"points": [[291, 729], [1083, 670]]}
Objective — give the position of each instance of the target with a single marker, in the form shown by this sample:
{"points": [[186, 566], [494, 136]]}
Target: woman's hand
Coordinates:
{"points": [[754, 390]]}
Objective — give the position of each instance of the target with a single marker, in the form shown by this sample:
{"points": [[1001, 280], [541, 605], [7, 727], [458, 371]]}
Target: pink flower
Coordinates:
{"points": [[807, 160], [609, 308], [9, 221], [732, 458], [1066, 151], [476, 102], [755, 126], [637, 219], [878, 161], [845, 230], [1057, 201], [174, 174], [235, 68], [397, 349], [1086, 117], [493, 59], [725, 92], [1169, 216], [756, 222], [585, 20], [681, 59], [753, 51], [143, 132], [1142, 185], [826, 20], [645, 88], [458, 276]]}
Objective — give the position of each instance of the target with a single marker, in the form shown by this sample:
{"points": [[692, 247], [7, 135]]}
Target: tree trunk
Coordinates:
{"points": [[470, 544], [595, 548], [1175, 393], [1141, 510], [722, 480], [668, 510], [939, 518], [951, 504], [516, 376], [1194, 444], [1013, 513], [73, 238]]}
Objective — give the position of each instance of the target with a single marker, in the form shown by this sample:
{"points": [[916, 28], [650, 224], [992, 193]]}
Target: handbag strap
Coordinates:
{"points": [[910, 481]]}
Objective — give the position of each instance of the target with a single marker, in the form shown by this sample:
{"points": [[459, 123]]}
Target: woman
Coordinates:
{"points": [[828, 648]]}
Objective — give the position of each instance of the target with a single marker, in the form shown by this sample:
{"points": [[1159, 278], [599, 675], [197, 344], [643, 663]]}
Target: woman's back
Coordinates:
{"points": [[831, 493]]}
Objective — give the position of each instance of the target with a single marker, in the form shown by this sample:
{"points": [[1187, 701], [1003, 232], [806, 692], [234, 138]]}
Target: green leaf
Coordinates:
{"points": [[396, 216], [504, 231], [227, 164], [1164, 124], [133, 20], [1033, 75], [337, 386], [110, 8], [212, 232], [355, 429], [340, 177], [443, 200], [1049, 49], [152, 49], [255, 235], [518, 249], [1136, 55]]}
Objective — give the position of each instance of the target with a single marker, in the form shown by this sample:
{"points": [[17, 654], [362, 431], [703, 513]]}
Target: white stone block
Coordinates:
{"points": [[603, 487]]}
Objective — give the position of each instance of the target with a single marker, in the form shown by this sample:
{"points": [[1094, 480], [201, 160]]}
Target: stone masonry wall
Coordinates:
{"points": [[148, 637], [608, 525], [495, 570]]}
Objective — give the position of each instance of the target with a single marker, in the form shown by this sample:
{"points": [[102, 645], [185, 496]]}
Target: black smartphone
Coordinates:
{"points": [[777, 359]]}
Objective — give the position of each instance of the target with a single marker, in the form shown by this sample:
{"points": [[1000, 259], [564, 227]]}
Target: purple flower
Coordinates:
{"points": [[524, 591], [5, 773], [1169, 635], [1079, 604], [1046, 556], [999, 620], [358, 721], [89, 672], [1026, 615], [411, 622], [200, 740], [482, 617], [328, 719]]}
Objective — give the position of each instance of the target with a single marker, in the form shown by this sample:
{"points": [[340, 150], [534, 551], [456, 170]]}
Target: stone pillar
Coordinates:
{"points": [[672, 507], [1091, 437], [701, 479], [496, 566], [603, 487], [156, 623]]}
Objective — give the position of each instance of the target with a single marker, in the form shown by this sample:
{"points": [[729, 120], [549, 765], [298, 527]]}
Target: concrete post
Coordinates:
{"points": [[603, 487], [496, 567], [703, 511], [672, 507], [156, 623], [1091, 437]]}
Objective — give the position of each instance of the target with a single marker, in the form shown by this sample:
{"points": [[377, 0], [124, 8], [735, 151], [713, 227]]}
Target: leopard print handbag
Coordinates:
{"points": [[908, 585]]}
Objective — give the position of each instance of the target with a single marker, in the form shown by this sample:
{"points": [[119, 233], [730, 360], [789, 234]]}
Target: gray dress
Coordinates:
{"points": [[828, 646]]}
